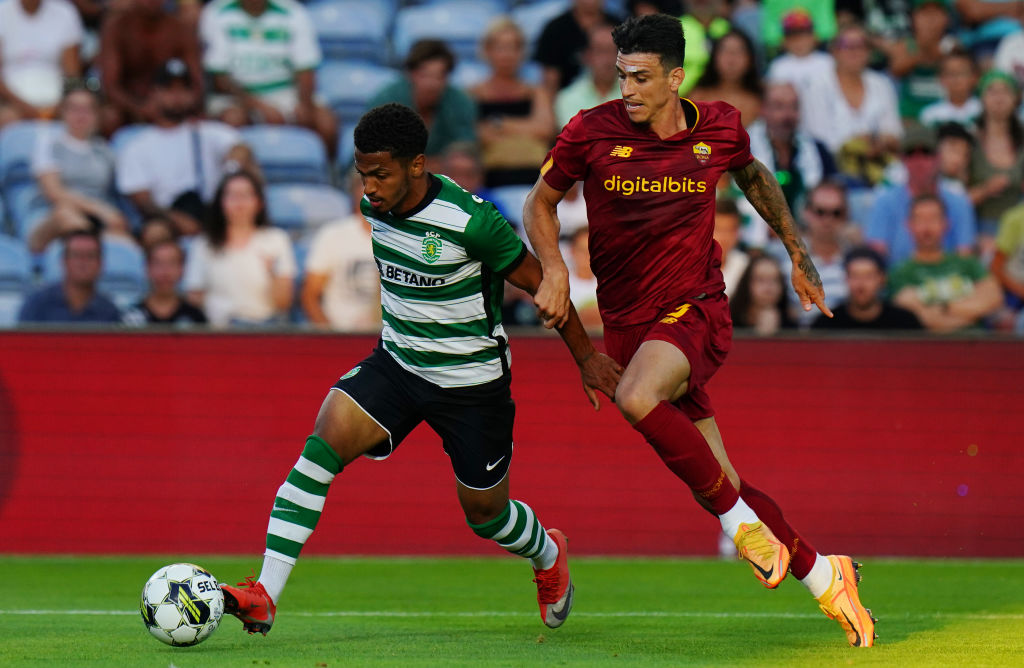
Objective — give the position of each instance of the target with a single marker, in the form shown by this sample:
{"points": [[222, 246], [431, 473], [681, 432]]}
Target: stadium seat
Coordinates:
{"points": [[349, 85], [469, 73], [17, 142], [124, 270], [460, 23], [15, 278], [534, 16], [352, 29], [299, 207], [346, 148], [287, 153]]}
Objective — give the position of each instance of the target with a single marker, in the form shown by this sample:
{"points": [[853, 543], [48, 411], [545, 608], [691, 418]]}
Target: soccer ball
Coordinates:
{"points": [[182, 604]]}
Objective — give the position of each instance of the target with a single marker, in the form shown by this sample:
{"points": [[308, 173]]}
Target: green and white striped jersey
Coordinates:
{"points": [[441, 274]]}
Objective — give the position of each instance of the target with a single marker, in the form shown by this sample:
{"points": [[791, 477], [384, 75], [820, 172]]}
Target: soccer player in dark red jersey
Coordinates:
{"points": [[649, 164]]}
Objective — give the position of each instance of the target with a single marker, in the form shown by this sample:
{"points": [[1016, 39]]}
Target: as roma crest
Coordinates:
{"points": [[702, 152]]}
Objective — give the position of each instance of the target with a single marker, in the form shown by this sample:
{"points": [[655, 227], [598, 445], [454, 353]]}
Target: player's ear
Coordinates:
{"points": [[675, 78], [418, 166]]}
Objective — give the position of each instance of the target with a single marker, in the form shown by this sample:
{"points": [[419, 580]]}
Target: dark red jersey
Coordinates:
{"points": [[650, 202]]}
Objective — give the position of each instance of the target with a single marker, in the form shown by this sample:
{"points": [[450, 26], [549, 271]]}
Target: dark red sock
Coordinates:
{"points": [[685, 452], [801, 553]]}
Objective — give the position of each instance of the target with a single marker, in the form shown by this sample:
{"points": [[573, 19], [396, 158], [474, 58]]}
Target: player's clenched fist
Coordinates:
{"points": [[552, 300]]}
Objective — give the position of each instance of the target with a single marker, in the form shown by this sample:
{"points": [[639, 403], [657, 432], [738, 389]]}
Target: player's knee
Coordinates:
{"points": [[634, 401], [482, 512]]}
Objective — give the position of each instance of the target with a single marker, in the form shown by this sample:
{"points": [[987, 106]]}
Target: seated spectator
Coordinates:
{"points": [[516, 120], [262, 58], [823, 17], [563, 40], [914, 61], [241, 270], [759, 302], [39, 42], [341, 289], [135, 42], [852, 106], [954, 147], [996, 181], [799, 161], [75, 298], [450, 114], [163, 305], [582, 283], [887, 231], [866, 307], [75, 171], [704, 22], [827, 225], [157, 230], [461, 163], [727, 234], [946, 292], [958, 76], [172, 169], [598, 83], [732, 76], [802, 62], [1008, 262]]}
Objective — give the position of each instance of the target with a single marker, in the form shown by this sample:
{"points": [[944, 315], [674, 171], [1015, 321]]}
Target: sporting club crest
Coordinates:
{"points": [[430, 249]]}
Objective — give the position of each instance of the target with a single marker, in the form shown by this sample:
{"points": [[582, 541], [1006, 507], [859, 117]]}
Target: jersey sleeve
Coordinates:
{"points": [[741, 155], [305, 50], [491, 239], [566, 163], [216, 47]]}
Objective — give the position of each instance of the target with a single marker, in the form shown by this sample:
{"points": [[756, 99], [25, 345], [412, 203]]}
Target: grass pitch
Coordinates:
{"points": [[65, 611]]}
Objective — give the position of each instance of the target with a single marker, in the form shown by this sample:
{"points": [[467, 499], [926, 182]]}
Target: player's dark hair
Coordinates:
{"points": [[660, 34], [750, 81], [864, 253], [391, 128], [429, 49], [671, 7], [87, 234], [217, 224]]}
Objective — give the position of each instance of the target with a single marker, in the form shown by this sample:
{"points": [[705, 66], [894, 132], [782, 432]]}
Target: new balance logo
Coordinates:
{"points": [[621, 152], [490, 467]]}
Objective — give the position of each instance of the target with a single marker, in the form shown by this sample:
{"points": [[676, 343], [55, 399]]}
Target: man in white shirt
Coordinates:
{"points": [[172, 169], [802, 62], [263, 55], [39, 42]]}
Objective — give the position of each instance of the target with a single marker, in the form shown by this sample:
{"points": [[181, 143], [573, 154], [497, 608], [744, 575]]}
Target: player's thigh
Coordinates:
{"points": [[659, 371], [346, 427]]}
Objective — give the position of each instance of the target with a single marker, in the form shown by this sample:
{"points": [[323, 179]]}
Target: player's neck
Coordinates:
{"points": [[413, 200], [669, 121]]}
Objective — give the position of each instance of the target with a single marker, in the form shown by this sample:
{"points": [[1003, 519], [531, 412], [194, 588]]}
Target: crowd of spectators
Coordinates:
{"points": [[893, 126]]}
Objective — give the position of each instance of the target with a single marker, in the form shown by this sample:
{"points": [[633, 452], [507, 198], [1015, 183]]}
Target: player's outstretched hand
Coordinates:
{"points": [[552, 300], [600, 372], [808, 288]]}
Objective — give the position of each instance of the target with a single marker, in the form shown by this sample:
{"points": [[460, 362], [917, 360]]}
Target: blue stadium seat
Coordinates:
{"points": [[534, 16], [349, 85], [469, 73], [17, 143], [287, 153], [15, 278], [298, 207], [353, 29], [460, 23], [124, 269], [510, 201], [346, 147]]}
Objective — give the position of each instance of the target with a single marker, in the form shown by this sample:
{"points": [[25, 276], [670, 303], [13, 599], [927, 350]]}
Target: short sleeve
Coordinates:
{"points": [[566, 163], [217, 54], [196, 263], [282, 253], [42, 154], [305, 50], [491, 239], [322, 257], [72, 31], [741, 155], [132, 175]]}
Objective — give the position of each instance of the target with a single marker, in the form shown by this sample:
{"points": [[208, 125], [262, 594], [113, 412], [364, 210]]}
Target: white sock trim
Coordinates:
{"points": [[731, 519], [548, 556], [274, 575], [820, 578]]}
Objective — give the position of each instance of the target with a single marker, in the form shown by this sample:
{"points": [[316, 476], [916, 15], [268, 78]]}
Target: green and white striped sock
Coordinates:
{"points": [[297, 508], [518, 530]]}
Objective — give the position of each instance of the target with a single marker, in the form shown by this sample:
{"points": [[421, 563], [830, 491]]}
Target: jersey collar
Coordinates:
{"points": [[432, 192]]}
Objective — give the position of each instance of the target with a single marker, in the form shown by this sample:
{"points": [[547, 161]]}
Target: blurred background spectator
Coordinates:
{"points": [[341, 288], [136, 41], [914, 60], [163, 304], [582, 283], [958, 77], [75, 171], [731, 76], [597, 83], [516, 123], [1008, 265], [39, 42], [954, 146], [172, 168], [727, 234], [241, 270], [449, 112], [75, 298], [262, 59], [865, 306], [704, 21], [759, 303], [801, 62], [563, 40], [945, 291]]}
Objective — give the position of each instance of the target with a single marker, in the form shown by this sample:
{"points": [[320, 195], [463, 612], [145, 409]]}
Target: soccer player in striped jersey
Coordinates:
{"points": [[443, 358], [649, 164]]}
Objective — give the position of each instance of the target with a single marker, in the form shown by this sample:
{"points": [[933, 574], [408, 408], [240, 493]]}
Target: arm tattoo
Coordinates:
{"points": [[763, 191]]}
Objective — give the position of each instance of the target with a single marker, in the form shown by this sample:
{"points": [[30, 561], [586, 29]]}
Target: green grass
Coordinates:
{"points": [[472, 612]]}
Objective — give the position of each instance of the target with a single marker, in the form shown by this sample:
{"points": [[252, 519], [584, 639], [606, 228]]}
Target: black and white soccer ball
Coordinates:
{"points": [[182, 604]]}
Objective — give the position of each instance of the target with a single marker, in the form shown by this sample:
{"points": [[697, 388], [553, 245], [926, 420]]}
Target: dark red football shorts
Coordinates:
{"points": [[700, 328]]}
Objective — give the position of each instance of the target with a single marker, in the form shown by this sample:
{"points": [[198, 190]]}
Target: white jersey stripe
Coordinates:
{"points": [[459, 375], [455, 345], [463, 309]]}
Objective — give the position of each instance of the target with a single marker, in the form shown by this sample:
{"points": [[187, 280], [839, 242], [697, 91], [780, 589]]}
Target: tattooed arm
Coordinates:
{"points": [[759, 185]]}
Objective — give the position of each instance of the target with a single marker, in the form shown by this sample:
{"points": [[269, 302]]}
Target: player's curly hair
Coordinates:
{"points": [[653, 33], [391, 128]]}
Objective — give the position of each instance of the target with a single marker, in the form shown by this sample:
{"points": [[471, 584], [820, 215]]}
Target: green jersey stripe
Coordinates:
{"points": [[426, 358], [411, 246]]}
